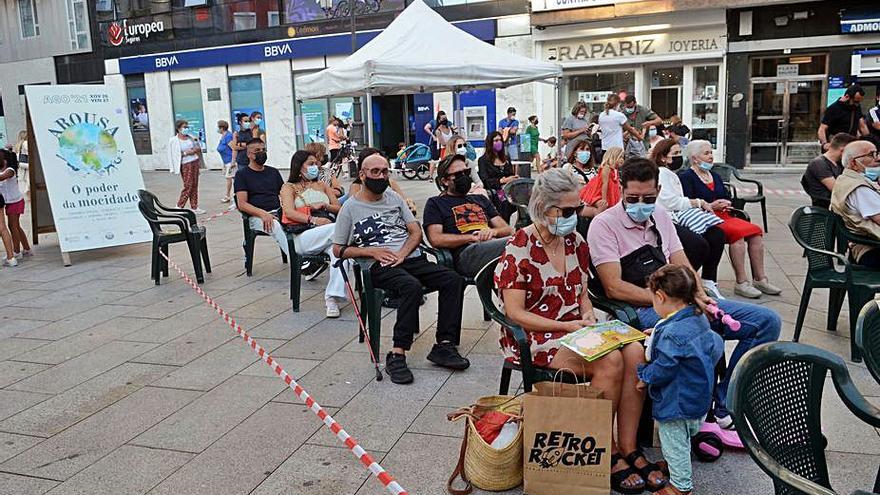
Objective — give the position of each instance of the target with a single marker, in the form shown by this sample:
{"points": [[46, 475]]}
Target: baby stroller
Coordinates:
{"points": [[413, 161]]}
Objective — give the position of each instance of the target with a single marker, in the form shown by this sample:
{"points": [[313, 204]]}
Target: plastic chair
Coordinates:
{"points": [[846, 236], [776, 401], [183, 228], [814, 230], [727, 173], [868, 336], [444, 258], [296, 259], [518, 193]]}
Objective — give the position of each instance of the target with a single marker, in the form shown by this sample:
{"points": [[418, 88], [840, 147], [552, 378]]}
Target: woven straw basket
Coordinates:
{"points": [[480, 464]]}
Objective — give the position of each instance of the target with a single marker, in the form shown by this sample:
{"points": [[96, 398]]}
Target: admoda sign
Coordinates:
{"points": [[119, 33]]}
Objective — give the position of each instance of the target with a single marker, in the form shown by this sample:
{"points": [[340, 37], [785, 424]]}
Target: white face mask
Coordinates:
{"points": [[461, 150]]}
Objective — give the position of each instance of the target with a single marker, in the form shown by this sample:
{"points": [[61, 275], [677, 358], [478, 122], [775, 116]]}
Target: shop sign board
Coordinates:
{"points": [[787, 70], [89, 163], [545, 5], [645, 45], [129, 33], [860, 21]]}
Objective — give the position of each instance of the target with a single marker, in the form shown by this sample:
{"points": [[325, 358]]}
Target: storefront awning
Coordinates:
{"points": [[420, 52]]}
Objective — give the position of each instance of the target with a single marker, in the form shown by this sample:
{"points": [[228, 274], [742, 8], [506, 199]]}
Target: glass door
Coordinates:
{"points": [[666, 86], [785, 113]]}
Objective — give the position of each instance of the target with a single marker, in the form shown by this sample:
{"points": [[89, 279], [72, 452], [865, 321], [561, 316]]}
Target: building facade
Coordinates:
{"points": [[33, 33], [786, 64]]}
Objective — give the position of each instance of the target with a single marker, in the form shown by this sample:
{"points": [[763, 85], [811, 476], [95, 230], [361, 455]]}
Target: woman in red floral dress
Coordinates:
{"points": [[542, 277]]}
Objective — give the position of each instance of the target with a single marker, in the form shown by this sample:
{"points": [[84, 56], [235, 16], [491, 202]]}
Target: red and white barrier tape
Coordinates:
{"points": [[745, 191], [218, 215], [366, 459]]}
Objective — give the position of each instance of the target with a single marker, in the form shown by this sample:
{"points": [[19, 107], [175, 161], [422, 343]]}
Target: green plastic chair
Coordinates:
{"points": [[814, 230], [728, 173], [185, 228], [868, 336], [846, 236], [518, 193], [775, 397], [296, 259]]}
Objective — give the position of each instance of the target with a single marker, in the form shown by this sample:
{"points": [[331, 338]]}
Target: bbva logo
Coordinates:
{"points": [[277, 50]]}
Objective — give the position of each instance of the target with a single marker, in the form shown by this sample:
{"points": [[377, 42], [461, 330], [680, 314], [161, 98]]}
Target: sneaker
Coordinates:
{"points": [[445, 354], [17, 255], [726, 422], [27, 253], [332, 309], [313, 270], [766, 287], [199, 211], [395, 366], [745, 289], [10, 262], [224, 199], [711, 288]]}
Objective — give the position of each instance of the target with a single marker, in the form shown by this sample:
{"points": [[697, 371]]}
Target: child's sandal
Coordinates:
{"points": [[649, 467], [618, 478], [670, 489]]}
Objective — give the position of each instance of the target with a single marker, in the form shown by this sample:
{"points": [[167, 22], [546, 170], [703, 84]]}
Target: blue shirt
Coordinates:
{"points": [[504, 124], [693, 187], [681, 374], [224, 149]]}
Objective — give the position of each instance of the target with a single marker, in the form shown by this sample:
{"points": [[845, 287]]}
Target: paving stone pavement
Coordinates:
{"points": [[112, 385]]}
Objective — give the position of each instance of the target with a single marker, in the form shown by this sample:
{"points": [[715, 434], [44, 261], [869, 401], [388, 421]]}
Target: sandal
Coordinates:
{"points": [[649, 467], [618, 478], [670, 489]]}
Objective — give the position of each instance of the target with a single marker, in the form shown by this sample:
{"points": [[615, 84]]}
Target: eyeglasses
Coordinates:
{"points": [[377, 172], [648, 199], [258, 150], [456, 175], [874, 154], [570, 210]]}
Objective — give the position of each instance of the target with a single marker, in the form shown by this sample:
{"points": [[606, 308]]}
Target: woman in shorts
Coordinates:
{"points": [[13, 206]]}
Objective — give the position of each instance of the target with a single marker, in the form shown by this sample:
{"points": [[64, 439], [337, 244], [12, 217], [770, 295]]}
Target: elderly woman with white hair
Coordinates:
{"points": [[542, 278], [700, 182]]}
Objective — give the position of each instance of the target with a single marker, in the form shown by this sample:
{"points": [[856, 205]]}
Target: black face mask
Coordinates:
{"points": [[261, 158], [676, 163], [462, 184], [376, 186]]}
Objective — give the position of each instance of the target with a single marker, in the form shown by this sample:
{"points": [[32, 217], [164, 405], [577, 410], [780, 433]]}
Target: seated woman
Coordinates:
{"points": [[356, 185], [699, 182], [457, 145], [325, 174], [542, 278], [496, 171], [581, 162], [309, 208], [703, 250]]}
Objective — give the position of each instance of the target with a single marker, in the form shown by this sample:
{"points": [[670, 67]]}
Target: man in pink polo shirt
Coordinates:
{"points": [[634, 224]]}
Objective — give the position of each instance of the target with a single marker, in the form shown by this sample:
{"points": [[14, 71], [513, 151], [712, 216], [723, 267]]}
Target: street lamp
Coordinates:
{"points": [[357, 126]]}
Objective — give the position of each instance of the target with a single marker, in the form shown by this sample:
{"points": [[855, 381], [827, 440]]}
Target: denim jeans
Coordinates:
{"points": [[675, 443], [759, 326]]}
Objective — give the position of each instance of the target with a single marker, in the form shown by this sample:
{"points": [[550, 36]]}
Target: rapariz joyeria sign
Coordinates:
{"points": [[633, 46]]}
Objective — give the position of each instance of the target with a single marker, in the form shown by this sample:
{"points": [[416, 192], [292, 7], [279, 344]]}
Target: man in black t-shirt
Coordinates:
{"points": [[467, 224], [257, 187], [822, 171], [844, 115]]}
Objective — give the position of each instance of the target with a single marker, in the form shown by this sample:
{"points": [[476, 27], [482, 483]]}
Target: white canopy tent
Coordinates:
{"points": [[405, 59]]}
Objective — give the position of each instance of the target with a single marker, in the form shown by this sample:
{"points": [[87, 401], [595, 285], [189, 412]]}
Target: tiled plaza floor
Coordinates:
{"points": [[112, 385]]}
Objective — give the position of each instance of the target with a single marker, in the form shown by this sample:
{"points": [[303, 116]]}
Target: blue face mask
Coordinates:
{"points": [[706, 165], [563, 226], [639, 212], [583, 156], [311, 172], [872, 173]]}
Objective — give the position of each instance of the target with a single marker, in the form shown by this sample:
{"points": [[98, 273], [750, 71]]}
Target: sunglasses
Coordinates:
{"points": [[571, 210], [647, 199], [456, 175]]}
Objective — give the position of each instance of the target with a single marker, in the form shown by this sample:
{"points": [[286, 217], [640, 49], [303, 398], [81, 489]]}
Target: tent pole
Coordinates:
{"points": [[557, 124], [456, 105]]}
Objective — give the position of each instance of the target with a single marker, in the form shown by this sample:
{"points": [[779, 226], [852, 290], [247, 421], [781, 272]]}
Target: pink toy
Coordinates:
{"points": [[709, 443], [725, 318]]}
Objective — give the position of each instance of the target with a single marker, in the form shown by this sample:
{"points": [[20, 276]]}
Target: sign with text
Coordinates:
{"points": [[857, 21], [89, 163], [543, 5], [645, 45]]}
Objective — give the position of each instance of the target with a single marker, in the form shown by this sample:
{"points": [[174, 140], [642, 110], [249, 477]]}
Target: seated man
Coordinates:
{"points": [[376, 227], [467, 224], [856, 198], [257, 189], [818, 179], [635, 225]]}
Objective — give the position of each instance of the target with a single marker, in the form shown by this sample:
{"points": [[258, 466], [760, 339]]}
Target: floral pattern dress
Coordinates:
{"points": [[526, 266]]}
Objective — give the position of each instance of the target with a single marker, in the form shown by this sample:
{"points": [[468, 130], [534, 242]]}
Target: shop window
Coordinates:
{"points": [[138, 115], [243, 21], [245, 96], [666, 84], [186, 99], [78, 24], [273, 18], [314, 120], [595, 88], [704, 115], [28, 18], [805, 65]]}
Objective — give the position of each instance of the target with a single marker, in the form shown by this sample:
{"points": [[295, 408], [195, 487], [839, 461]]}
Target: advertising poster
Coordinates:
{"points": [[89, 163], [345, 111], [315, 121]]}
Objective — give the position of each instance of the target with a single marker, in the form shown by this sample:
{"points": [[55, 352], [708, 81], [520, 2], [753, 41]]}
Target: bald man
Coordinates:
{"points": [[376, 228], [856, 198]]}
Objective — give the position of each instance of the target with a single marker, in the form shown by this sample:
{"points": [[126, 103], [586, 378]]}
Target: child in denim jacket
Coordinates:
{"points": [[681, 372]]}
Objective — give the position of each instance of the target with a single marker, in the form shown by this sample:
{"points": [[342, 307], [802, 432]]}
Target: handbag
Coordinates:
{"points": [[696, 220], [637, 266], [293, 227]]}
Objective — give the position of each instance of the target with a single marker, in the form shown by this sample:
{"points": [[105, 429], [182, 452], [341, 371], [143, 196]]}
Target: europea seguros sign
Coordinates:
{"points": [[130, 33]]}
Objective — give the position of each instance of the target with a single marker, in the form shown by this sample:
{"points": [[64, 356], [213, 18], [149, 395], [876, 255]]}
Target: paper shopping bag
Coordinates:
{"points": [[566, 440]]}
